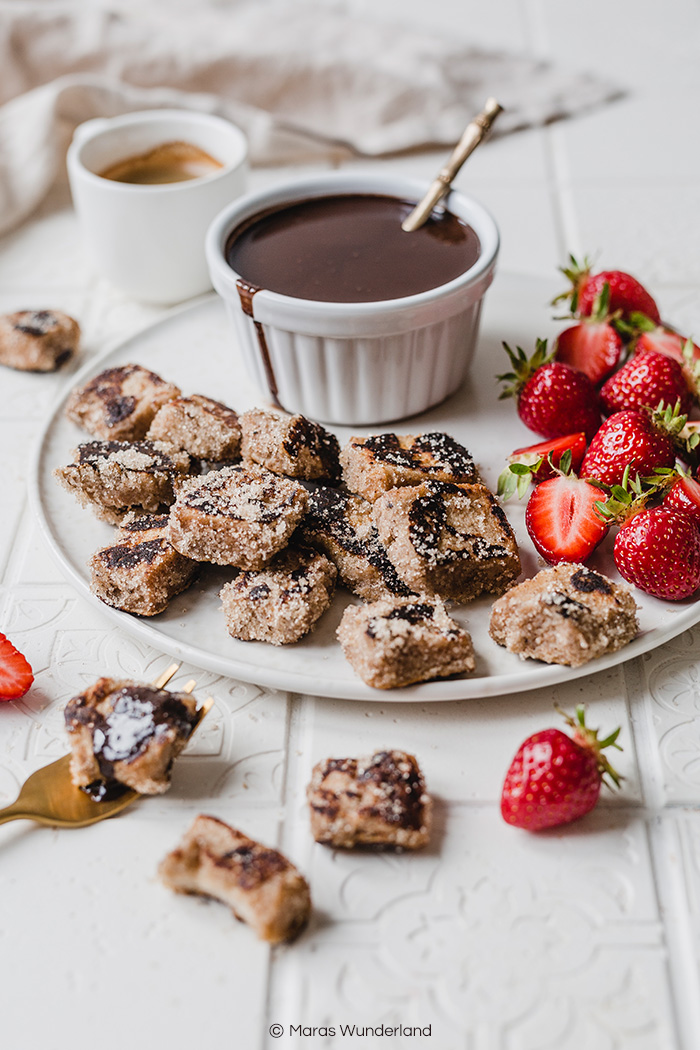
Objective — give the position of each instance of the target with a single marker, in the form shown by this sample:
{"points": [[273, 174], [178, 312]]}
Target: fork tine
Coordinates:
{"points": [[163, 679], [189, 686]]}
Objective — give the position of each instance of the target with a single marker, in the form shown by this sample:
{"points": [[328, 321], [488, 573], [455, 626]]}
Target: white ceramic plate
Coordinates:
{"points": [[194, 347]]}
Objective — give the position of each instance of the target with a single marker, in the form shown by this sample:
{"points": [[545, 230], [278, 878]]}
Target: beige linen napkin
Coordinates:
{"points": [[303, 80]]}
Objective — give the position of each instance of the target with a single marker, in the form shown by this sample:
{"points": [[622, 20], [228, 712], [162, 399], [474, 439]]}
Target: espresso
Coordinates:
{"points": [[169, 162], [350, 249]]}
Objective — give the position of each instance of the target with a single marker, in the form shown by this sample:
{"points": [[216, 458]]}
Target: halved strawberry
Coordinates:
{"points": [[684, 495], [664, 341], [562, 521], [545, 456], [594, 347], [15, 673]]}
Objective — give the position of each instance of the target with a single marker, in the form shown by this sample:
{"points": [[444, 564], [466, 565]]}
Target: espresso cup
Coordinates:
{"points": [[148, 240]]}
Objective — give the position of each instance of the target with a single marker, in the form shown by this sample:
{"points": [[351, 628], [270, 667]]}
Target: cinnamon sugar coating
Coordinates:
{"points": [[114, 477], [371, 801], [451, 540], [37, 340], [141, 571], [566, 614], [372, 465], [259, 884], [236, 516], [281, 602], [341, 525], [289, 445], [123, 732], [399, 641], [120, 403], [204, 428]]}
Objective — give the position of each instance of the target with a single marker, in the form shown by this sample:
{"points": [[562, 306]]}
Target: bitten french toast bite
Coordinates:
{"points": [[372, 801], [398, 641], [236, 516], [204, 428], [289, 445], [37, 340], [341, 525], [259, 884], [120, 403], [566, 614], [123, 732], [281, 602], [115, 477], [141, 571], [451, 540], [372, 465]]}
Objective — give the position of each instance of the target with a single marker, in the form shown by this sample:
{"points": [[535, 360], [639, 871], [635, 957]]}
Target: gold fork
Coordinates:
{"points": [[49, 796]]}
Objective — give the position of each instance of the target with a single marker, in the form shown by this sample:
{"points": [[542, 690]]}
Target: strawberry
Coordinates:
{"points": [[562, 521], [554, 399], [684, 495], [15, 673], [644, 381], [555, 778], [625, 294], [544, 457], [627, 439], [594, 347], [658, 550], [664, 341]]}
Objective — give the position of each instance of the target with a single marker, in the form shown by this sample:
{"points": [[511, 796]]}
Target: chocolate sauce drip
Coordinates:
{"points": [[350, 249], [246, 291]]}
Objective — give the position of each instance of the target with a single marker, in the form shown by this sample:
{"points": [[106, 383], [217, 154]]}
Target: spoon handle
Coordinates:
{"points": [[473, 134]]}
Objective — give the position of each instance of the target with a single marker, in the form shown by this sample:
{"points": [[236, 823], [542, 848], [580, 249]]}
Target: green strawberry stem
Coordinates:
{"points": [[588, 738], [523, 367]]}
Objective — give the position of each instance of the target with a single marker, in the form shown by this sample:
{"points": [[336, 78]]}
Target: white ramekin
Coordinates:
{"points": [[356, 363]]}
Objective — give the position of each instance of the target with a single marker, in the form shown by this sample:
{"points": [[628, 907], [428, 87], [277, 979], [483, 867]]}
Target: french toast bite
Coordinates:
{"points": [[372, 465], [281, 602], [120, 403], [238, 516], [289, 445], [141, 571], [378, 800], [259, 884], [37, 340], [399, 641], [566, 614], [341, 526], [115, 477], [204, 428], [124, 733], [451, 540]]}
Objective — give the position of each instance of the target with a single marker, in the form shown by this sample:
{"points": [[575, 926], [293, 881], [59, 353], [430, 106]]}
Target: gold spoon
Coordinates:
{"points": [[49, 796], [474, 133]]}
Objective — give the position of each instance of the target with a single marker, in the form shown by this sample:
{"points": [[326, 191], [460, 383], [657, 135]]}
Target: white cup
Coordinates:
{"points": [[149, 239]]}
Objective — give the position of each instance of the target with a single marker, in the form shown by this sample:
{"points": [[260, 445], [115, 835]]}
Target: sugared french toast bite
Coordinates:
{"points": [[451, 540], [289, 445], [141, 571], [385, 461], [341, 525], [259, 884], [399, 641], [115, 477], [566, 614], [124, 732], [120, 403], [281, 602], [37, 340], [238, 516], [204, 428], [379, 800]]}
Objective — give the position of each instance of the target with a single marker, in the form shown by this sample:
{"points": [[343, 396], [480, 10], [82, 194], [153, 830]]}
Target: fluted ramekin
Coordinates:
{"points": [[356, 363]]}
